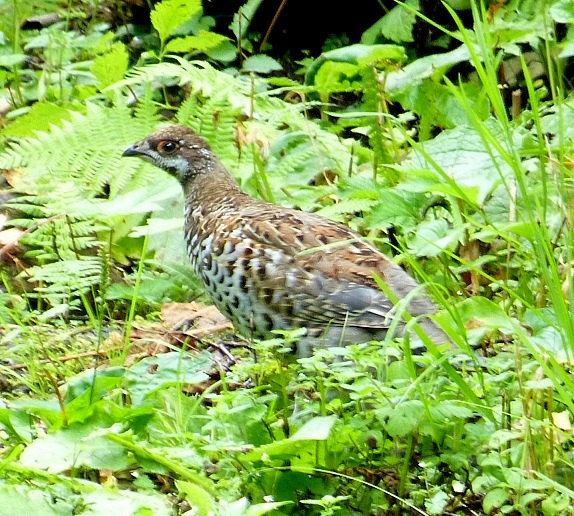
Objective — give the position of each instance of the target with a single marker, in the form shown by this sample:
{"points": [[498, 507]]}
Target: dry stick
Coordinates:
{"points": [[200, 331], [60, 396], [272, 25], [86, 354]]}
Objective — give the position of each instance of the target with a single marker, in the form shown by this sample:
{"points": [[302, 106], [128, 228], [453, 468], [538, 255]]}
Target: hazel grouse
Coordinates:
{"points": [[267, 267]]}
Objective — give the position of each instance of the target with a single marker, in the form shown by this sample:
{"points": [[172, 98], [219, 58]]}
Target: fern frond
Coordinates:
{"points": [[65, 174], [84, 152], [64, 281]]}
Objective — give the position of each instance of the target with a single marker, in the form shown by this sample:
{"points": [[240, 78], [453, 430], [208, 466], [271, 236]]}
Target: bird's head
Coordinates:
{"points": [[177, 150]]}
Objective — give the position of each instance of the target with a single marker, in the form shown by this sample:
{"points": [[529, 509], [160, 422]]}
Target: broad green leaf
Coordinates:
{"points": [[261, 64], [22, 499], [423, 68], [125, 502], [169, 15], [75, 446], [433, 237], [437, 102], [17, 422], [397, 25], [396, 208], [166, 370], [225, 53], [317, 429], [203, 42], [302, 444], [10, 60], [111, 67], [556, 503], [356, 57], [449, 410], [437, 503], [480, 311], [567, 49], [137, 201], [562, 11], [495, 499], [404, 418], [463, 165], [94, 385]]}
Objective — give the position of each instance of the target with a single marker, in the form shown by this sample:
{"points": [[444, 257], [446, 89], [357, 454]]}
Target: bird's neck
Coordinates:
{"points": [[212, 191], [211, 199]]}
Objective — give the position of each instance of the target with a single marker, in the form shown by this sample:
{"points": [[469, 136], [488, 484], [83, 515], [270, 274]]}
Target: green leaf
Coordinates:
{"points": [[334, 77], [556, 503], [462, 164], [433, 237], [263, 508], [404, 418], [439, 104], [459, 5], [18, 423], [39, 117], [169, 15], [168, 369], [203, 42], [448, 410], [495, 499], [567, 49], [562, 11], [77, 445], [21, 499], [478, 311], [346, 207], [425, 67], [11, 60], [226, 52], [302, 444], [261, 64], [437, 503], [125, 502], [199, 498], [317, 429], [355, 57], [243, 17], [395, 208], [397, 25], [111, 67]]}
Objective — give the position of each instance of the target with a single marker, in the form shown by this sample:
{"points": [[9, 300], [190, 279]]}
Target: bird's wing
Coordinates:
{"points": [[321, 271]]}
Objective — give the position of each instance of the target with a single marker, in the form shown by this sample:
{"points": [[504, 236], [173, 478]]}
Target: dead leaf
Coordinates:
{"points": [[195, 315], [562, 421], [10, 237]]}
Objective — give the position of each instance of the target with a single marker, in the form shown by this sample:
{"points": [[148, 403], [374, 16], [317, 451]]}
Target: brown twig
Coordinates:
{"points": [[67, 358], [272, 25]]}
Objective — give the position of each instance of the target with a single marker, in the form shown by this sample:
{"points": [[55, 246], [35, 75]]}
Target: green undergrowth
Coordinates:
{"points": [[427, 157]]}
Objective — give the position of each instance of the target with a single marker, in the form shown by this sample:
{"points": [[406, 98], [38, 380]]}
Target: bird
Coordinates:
{"points": [[268, 267]]}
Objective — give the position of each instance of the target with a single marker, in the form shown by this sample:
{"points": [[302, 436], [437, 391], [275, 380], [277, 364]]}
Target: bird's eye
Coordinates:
{"points": [[167, 146]]}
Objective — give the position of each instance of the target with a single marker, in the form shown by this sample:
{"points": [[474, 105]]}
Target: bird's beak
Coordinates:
{"points": [[134, 150]]}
